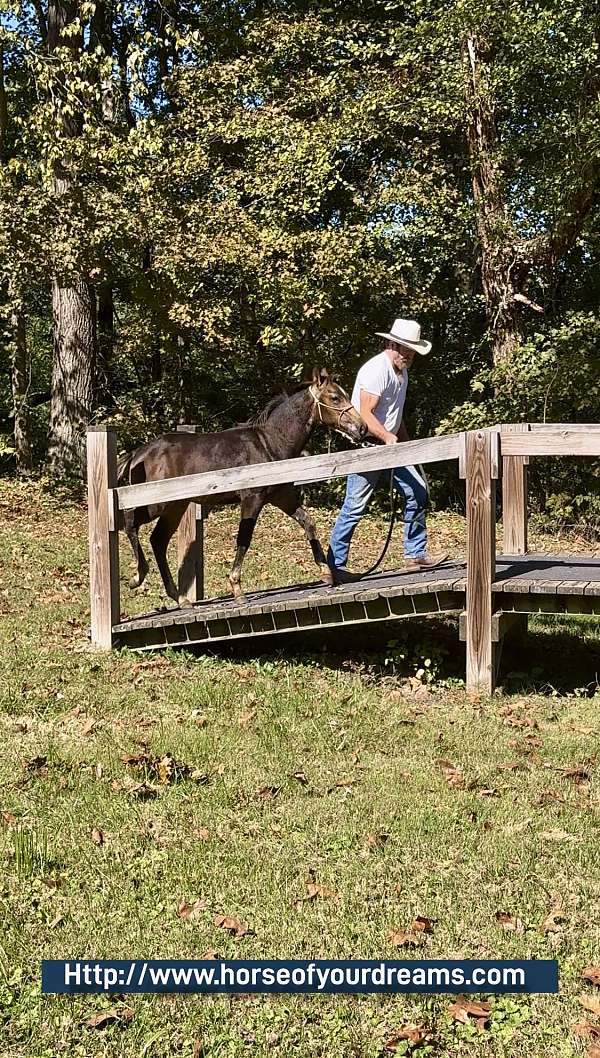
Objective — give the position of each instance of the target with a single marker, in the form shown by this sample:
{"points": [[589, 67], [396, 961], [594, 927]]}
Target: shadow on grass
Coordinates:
{"points": [[558, 656]]}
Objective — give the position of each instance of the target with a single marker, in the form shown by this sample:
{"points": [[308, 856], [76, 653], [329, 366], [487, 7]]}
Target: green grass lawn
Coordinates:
{"points": [[313, 761]]}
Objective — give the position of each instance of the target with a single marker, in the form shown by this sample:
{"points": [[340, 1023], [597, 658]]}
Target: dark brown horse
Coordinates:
{"points": [[280, 431]]}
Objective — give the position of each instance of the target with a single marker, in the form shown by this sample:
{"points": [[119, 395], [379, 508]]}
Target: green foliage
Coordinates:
{"points": [[265, 187]]}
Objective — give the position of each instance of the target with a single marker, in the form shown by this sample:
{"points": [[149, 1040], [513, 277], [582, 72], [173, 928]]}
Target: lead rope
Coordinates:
{"points": [[393, 519]]}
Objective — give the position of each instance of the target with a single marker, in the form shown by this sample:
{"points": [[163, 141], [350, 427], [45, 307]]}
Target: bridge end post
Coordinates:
{"points": [[190, 545], [481, 459], [105, 601], [514, 496]]}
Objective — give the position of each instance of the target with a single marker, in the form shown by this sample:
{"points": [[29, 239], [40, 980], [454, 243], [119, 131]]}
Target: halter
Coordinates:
{"points": [[321, 404]]}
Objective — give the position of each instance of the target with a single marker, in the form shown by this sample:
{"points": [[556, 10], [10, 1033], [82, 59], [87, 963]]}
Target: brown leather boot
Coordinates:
{"points": [[425, 562]]}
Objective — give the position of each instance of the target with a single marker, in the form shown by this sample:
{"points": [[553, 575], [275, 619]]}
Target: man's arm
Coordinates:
{"points": [[368, 403]]}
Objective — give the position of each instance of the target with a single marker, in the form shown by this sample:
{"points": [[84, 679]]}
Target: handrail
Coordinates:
{"points": [[300, 471]]}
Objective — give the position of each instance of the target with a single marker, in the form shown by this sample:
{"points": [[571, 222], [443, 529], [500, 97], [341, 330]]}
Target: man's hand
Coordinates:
{"points": [[390, 438]]}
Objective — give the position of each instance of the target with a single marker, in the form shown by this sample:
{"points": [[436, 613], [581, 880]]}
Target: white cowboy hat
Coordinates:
{"points": [[407, 332]]}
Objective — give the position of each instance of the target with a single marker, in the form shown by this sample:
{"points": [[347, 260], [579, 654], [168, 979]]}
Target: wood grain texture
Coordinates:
{"points": [[190, 545], [301, 471], [481, 561], [514, 496], [574, 441], [103, 540]]}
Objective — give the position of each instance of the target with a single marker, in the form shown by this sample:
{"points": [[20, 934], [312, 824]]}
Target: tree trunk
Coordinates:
{"points": [[20, 371], [500, 266], [73, 302], [106, 319], [73, 310]]}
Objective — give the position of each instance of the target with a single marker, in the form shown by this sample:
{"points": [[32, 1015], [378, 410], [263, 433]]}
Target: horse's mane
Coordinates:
{"points": [[265, 413]]}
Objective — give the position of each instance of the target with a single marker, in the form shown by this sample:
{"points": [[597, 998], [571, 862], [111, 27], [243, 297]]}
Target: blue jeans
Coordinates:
{"points": [[408, 481]]}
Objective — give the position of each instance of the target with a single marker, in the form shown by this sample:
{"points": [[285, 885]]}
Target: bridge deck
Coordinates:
{"points": [[532, 583]]}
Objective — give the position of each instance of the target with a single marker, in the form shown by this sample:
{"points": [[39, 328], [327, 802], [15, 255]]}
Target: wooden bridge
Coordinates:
{"points": [[492, 594]]}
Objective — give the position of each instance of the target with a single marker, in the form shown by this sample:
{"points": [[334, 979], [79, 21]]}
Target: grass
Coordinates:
{"points": [[317, 761]]}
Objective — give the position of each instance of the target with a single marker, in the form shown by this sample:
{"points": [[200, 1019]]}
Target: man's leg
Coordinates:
{"points": [[409, 481], [359, 489]]}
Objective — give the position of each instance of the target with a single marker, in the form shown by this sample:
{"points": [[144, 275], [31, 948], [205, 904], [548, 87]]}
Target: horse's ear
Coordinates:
{"points": [[323, 376], [316, 375]]}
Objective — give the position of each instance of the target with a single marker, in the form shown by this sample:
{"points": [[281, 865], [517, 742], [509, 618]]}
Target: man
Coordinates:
{"points": [[379, 394]]}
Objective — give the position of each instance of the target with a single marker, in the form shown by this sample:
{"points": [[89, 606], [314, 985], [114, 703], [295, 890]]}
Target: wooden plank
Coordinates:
{"points": [[481, 561], [552, 442], [190, 545], [190, 553], [514, 497], [202, 487], [545, 426], [103, 541]]}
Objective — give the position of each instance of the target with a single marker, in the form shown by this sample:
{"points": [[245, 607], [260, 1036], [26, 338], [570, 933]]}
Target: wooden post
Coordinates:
{"points": [[514, 496], [481, 447], [103, 535], [190, 546]]}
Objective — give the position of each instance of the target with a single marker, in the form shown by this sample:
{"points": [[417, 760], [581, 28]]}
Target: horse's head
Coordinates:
{"points": [[334, 407]]}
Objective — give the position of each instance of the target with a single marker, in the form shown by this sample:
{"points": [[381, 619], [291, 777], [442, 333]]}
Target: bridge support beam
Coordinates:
{"points": [[105, 600], [190, 546], [514, 496], [482, 470]]}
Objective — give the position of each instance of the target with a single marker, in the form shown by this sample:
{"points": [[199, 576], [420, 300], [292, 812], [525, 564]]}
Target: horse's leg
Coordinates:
{"points": [[160, 537], [289, 500], [132, 531], [251, 505]]}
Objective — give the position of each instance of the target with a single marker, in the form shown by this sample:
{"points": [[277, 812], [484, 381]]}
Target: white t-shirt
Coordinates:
{"points": [[378, 377]]}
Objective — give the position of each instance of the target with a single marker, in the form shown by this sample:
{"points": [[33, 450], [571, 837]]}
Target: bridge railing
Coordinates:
{"points": [[483, 457]]}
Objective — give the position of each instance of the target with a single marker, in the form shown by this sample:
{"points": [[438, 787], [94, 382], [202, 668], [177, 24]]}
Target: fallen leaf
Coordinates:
{"points": [[246, 718], [415, 1034], [578, 775], [552, 922], [235, 926], [89, 726], [591, 973], [548, 797], [376, 841], [520, 721], [109, 1017], [9, 818], [343, 784], [463, 1010], [300, 777], [421, 925], [557, 835], [97, 836], [186, 910], [453, 774], [56, 921], [510, 922], [198, 1049], [591, 1003], [586, 1028], [402, 939]]}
